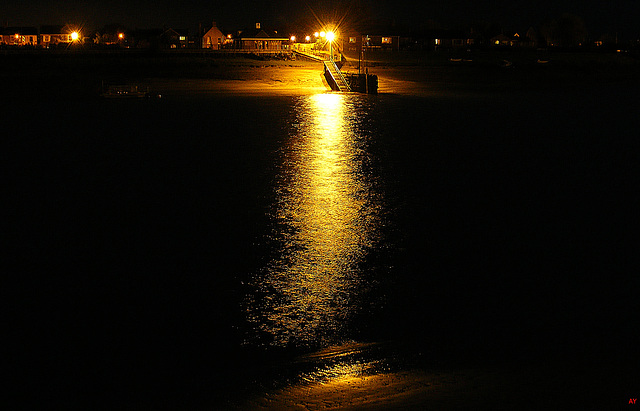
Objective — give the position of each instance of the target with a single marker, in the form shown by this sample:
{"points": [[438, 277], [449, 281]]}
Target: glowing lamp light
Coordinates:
{"points": [[322, 34], [120, 36], [316, 34], [17, 36], [330, 36], [293, 38], [308, 38], [74, 36]]}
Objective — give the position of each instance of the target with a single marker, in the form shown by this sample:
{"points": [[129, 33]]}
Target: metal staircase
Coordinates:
{"points": [[334, 77]]}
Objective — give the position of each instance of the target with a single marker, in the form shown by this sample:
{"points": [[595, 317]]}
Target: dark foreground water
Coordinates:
{"points": [[190, 250]]}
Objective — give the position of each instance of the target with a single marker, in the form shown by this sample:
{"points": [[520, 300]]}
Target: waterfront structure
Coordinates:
{"points": [[354, 42], [175, 38], [260, 39], [19, 36], [214, 38], [55, 35]]}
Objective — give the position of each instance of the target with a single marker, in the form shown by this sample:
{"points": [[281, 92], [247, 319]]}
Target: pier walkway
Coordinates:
{"points": [[308, 56], [334, 77]]}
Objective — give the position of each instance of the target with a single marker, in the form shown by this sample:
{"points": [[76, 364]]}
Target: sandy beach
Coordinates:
{"points": [[526, 388], [78, 75]]}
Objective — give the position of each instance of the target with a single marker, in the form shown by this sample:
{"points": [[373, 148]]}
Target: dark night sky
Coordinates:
{"points": [[600, 15]]}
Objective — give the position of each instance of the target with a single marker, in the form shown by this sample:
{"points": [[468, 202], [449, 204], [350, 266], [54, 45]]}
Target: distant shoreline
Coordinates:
{"points": [[81, 74]]}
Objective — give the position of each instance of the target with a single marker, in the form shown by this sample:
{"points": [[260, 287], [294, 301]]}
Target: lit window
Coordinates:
{"points": [[352, 39], [386, 40], [437, 42], [183, 38]]}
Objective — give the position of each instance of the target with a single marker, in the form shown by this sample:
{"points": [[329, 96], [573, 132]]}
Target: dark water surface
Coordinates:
{"points": [[188, 249]]}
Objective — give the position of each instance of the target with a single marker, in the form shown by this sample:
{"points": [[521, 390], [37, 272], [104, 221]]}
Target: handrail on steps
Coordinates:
{"points": [[333, 63]]}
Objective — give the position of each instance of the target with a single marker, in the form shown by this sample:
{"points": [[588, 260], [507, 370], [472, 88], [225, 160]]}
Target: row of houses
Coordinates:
{"points": [[263, 39], [254, 39], [31, 36]]}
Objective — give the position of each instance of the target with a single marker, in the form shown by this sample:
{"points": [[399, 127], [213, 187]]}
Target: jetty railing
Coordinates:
{"points": [[330, 67], [344, 80]]}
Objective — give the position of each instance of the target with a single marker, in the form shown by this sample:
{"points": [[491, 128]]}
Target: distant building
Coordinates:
{"points": [[55, 35], [19, 36], [260, 39], [451, 39], [353, 43], [500, 41], [175, 38], [381, 42], [213, 39]]}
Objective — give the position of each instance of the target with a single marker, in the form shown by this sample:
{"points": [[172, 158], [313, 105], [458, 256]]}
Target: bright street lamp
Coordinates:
{"points": [[330, 37]]}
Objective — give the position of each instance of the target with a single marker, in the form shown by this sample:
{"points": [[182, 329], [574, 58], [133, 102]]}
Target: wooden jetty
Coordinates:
{"points": [[358, 82], [344, 82]]}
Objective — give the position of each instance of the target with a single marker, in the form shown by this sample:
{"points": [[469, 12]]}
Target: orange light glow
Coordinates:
{"points": [[74, 36], [325, 206], [316, 34], [17, 36], [293, 38], [330, 36], [322, 34], [120, 36], [308, 38]]}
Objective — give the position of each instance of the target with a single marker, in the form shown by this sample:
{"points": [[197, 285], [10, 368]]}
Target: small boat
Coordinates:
{"points": [[124, 91]]}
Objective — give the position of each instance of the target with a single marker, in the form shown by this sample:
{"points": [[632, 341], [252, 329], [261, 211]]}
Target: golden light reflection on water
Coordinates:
{"points": [[324, 220]]}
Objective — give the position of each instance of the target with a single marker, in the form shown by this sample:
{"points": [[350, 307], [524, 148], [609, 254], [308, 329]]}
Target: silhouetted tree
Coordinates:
{"points": [[571, 31], [567, 31]]}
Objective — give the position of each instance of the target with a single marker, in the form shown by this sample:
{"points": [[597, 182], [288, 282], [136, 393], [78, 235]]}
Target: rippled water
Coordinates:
{"points": [[211, 237], [327, 216]]}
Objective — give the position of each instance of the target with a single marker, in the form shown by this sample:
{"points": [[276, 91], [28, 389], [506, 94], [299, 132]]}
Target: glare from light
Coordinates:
{"points": [[74, 36], [330, 36], [293, 38], [316, 34], [120, 36], [322, 34], [308, 38]]}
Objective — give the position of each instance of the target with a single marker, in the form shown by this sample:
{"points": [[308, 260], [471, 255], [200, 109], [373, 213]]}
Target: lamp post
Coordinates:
{"points": [[330, 37]]}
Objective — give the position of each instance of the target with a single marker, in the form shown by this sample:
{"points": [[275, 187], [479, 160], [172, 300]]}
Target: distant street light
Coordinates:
{"points": [[74, 36]]}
